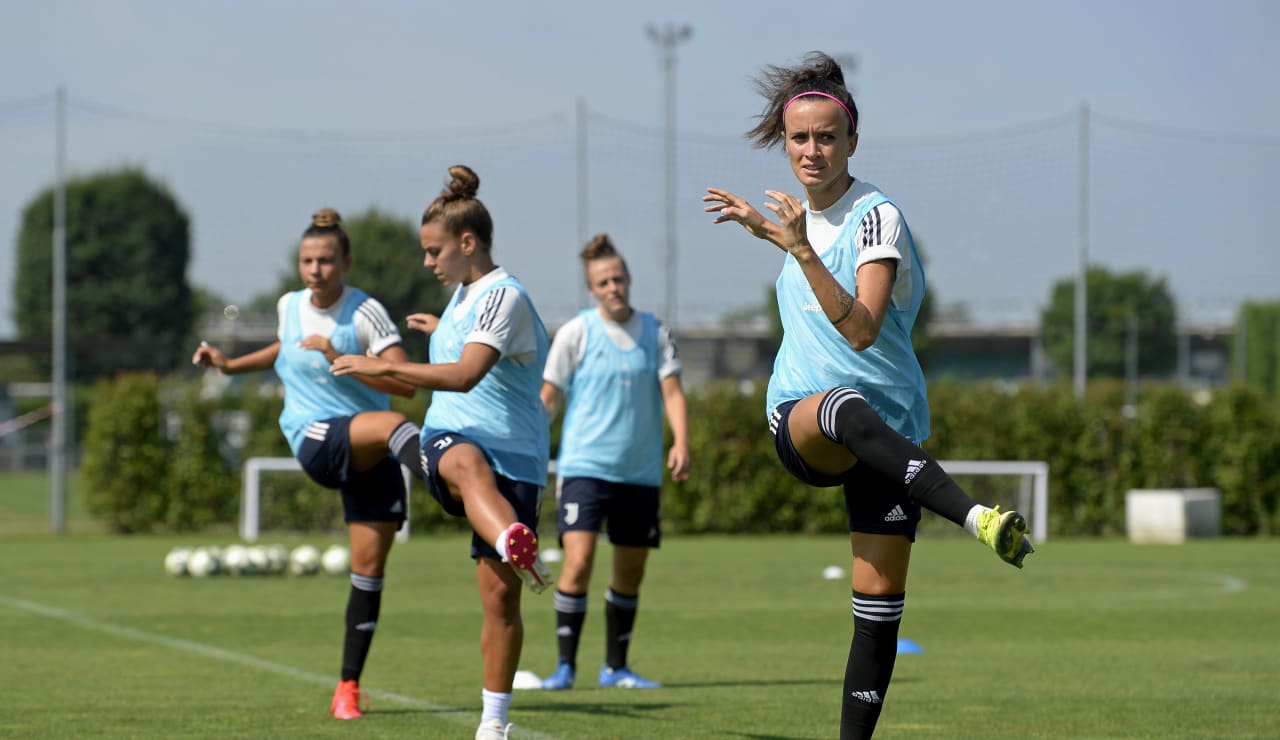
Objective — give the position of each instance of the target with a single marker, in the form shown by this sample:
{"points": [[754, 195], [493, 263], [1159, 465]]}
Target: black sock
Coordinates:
{"points": [[844, 416], [363, 605], [620, 618], [571, 612], [871, 657], [405, 445]]}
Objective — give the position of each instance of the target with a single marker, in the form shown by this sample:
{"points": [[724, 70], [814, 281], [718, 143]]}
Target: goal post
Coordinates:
{"points": [[1033, 494], [251, 494]]}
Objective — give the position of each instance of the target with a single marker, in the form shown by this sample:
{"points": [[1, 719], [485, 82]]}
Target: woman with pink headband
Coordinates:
{"points": [[846, 401]]}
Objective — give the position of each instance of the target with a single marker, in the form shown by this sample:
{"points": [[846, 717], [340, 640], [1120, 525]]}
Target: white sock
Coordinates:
{"points": [[971, 519], [501, 544], [495, 706]]}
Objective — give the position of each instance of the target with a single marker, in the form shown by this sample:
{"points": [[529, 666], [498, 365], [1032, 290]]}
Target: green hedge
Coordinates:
{"points": [[145, 474], [150, 463]]}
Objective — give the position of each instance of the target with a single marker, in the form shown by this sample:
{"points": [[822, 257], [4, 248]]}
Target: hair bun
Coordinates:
{"points": [[326, 218]]}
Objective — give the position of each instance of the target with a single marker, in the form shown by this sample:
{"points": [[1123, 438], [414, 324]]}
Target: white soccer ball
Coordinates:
{"points": [[336, 560], [175, 563], [277, 559], [304, 560], [259, 560], [203, 562], [235, 560], [833, 572], [550, 554]]}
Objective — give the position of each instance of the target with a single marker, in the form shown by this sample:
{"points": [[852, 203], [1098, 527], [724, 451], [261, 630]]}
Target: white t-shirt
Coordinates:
{"points": [[877, 236], [373, 325], [505, 322], [570, 344]]}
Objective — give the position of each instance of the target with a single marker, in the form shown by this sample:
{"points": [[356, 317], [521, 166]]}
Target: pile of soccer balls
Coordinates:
{"points": [[257, 560]]}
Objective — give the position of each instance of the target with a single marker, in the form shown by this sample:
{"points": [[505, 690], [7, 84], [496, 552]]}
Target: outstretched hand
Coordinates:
{"points": [[789, 234], [207, 355], [360, 364], [729, 207], [423, 322]]}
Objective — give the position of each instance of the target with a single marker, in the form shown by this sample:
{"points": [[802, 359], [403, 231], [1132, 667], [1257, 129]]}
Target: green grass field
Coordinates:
{"points": [[1095, 639]]}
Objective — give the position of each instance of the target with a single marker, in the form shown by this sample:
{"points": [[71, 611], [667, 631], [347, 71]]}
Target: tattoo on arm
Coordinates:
{"points": [[846, 308]]}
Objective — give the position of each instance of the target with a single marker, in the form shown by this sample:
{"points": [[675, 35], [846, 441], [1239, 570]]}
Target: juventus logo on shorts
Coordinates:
{"points": [[570, 513]]}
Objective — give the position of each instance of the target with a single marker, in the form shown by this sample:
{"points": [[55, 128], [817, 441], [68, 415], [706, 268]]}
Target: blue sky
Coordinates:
{"points": [[255, 114]]}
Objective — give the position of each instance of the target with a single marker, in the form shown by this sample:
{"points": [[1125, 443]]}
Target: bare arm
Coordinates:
{"points": [[673, 401], [476, 361], [551, 395], [208, 355], [857, 319], [387, 384]]}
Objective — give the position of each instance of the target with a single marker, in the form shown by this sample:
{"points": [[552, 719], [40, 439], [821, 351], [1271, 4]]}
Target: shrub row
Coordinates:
{"points": [[156, 458]]}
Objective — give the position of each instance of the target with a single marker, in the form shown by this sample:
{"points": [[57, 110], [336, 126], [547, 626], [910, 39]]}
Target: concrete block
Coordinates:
{"points": [[1171, 515]]}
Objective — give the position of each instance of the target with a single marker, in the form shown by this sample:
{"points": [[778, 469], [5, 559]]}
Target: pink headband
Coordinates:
{"points": [[847, 112]]}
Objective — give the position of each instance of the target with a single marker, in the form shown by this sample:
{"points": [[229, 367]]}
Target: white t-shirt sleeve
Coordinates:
{"points": [[877, 239], [504, 321], [375, 331], [566, 353], [668, 356], [282, 305]]}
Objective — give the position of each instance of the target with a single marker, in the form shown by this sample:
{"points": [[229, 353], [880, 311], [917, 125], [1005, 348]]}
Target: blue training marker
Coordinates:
{"points": [[907, 647]]}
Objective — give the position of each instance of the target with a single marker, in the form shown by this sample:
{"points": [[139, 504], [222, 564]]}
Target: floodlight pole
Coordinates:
{"points": [[1082, 226], [667, 38], [61, 405], [583, 297]]}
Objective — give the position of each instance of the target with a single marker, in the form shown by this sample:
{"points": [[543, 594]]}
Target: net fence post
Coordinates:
{"points": [[402, 534], [251, 499]]}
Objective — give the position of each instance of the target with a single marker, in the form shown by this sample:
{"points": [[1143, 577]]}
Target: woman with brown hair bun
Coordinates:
{"points": [[619, 370], [846, 402], [485, 439], [341, 430]]}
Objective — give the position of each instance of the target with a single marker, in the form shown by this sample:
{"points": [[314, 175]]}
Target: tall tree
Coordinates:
{"points": [[129, 306], [1258, 325], [386, 263], [1111, 301]]}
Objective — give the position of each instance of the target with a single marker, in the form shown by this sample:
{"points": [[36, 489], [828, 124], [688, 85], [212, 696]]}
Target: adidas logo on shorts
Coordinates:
{"points": [[897, 515]]}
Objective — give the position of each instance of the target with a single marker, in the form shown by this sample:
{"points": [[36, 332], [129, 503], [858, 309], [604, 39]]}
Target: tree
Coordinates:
{"points": [[129, 306], [386, 263], [1111, 301], [1259, 325]]}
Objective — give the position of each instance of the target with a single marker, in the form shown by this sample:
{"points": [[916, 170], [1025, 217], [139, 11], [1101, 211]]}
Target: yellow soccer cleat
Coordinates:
{"points": [[1006, 534]]}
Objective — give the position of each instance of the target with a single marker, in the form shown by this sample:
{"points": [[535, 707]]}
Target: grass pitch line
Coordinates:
{"points": [[454, 714]]}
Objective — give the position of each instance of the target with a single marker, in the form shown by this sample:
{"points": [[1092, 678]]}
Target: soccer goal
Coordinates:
{"points": [[1033, 489], [251, 494]]}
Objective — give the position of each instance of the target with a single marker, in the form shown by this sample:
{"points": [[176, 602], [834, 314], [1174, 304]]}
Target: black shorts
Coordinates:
{"points": [[633, 512], [524, 497], [874, 502], [373, 495]]}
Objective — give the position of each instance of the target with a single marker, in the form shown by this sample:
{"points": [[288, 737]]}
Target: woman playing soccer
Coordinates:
{"points": [[846, 401], [341, 431], [619, 369], [485, 439]]}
